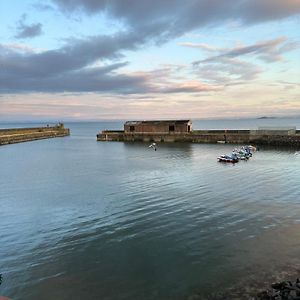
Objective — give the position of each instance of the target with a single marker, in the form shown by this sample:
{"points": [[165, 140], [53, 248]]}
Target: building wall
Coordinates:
{"points": [[157, 128]]}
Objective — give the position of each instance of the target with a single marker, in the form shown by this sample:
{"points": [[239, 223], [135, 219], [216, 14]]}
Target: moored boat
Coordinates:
{"points": [[242, 153], [228, 158]]}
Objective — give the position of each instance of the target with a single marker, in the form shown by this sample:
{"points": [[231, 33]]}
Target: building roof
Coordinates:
{"points": [[157, 122]]}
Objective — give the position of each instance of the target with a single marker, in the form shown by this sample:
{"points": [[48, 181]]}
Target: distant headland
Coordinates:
{"points": [[266, 117]]}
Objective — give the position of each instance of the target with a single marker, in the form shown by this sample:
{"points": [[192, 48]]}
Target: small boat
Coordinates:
{"points": [[242, 154], [242, 157], [252, 148], [228, 158]]}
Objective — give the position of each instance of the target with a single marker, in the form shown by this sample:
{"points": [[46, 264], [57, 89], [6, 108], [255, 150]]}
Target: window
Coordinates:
{"points": [[189, 128], [172, 128], [131, 128]]}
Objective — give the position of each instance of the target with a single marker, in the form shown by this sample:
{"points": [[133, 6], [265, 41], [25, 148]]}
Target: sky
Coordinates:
{"points": [[149, 59]]}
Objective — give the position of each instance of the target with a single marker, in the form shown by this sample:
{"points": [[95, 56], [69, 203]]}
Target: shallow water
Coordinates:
{"points": [[82, 219]]}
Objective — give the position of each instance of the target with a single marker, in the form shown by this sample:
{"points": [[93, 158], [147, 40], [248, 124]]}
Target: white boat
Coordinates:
{"points": [[228, 158]]}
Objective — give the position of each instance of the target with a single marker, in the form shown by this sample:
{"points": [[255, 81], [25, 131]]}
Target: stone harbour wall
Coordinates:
{"points": [[19, 135], [205, 136]]}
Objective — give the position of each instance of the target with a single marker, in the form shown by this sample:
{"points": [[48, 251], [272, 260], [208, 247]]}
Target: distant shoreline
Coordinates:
{"points": [[45, 121]]}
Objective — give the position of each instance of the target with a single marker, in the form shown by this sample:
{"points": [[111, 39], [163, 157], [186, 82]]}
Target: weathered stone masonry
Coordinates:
{"points": [[19, 135]]}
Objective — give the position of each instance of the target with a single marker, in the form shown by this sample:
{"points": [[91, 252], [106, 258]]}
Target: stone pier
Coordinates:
{"points": [[206, 136], [19, 135]]}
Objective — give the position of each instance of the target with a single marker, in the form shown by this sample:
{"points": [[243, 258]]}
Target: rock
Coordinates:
{"points": [[264, 296], [293, 294], [284, 290]]}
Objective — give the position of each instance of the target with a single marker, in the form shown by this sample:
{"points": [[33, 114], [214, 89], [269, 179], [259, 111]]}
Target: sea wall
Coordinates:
{"points": [[19, 135], [204, 136]]}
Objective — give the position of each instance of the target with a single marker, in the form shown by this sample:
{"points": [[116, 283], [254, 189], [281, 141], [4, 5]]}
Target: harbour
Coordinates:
{"points": [[126, 222], [150, 150], [181, 131]]}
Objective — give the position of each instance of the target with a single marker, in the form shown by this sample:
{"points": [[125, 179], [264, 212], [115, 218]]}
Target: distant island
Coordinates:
{"points": [[265, 117]]}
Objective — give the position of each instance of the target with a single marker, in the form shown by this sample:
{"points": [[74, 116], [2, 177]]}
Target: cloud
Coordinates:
{"points": [[73, 57], [67, 68], [42, 7], [262, 10], [20, 48], [75, 68], [190, 87], [226, 68], [227, 71], [167, 81], [96, 79], [250, 101], [268, 51], [144, 22], [182, 16], [25, 31], [76, 54], [201, 46], [230, 66]]}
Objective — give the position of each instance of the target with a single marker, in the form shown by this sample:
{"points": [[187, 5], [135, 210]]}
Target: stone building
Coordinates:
{"points": [[159, 126]]}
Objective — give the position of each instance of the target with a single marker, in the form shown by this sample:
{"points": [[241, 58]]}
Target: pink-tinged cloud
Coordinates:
{"points": [[249, 101], [268, 51], [202, 46], [190, 87]]}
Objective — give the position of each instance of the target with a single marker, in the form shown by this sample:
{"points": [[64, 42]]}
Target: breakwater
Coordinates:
{"points": [[19, 135], [206, 136]]}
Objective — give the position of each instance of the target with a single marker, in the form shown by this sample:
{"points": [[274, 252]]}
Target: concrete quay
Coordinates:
{"points": [[19, 135], [206, 136]]}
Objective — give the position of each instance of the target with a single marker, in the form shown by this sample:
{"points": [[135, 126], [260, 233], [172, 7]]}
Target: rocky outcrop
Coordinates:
{"points": [[285, 290]]}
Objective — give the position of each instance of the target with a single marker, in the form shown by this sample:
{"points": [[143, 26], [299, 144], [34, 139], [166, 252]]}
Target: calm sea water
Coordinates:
{"points": [[81, 219]]}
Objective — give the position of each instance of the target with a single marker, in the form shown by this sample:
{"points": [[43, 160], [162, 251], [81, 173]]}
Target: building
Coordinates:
{"points": [[165, 127]]}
